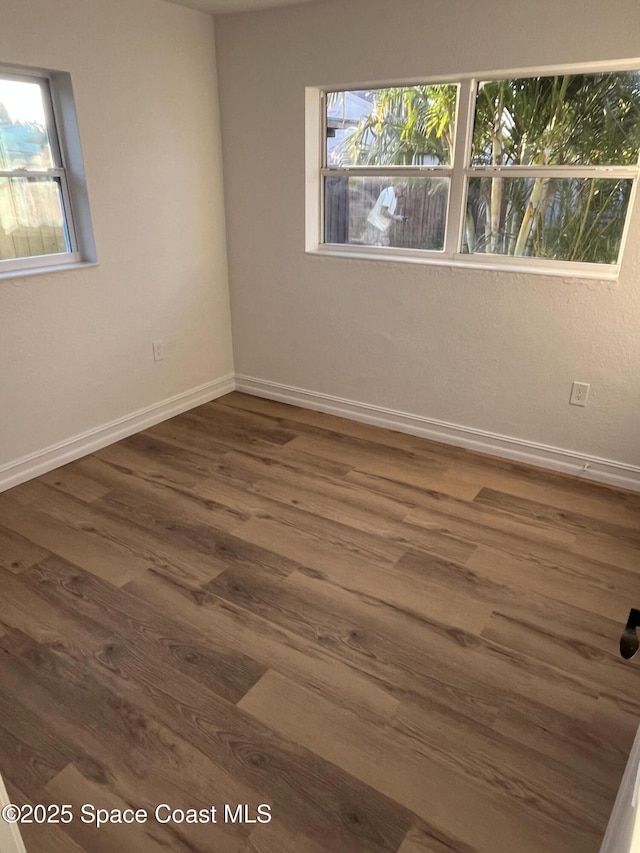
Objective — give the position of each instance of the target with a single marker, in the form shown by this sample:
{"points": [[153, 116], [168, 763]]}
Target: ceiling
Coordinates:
{"points": [[219, 6]]}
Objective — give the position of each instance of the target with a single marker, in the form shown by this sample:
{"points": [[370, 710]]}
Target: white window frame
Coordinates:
{"points": [[459, 173], [64, 138]]}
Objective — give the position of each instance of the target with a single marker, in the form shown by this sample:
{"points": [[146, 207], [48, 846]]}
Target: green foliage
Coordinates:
{"points": [[565, 120], [581, 119], [406, 127], [577, 119], [583, 218]]}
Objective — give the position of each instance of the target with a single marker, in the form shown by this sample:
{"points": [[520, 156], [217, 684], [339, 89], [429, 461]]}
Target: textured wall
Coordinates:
{"points": [[494, 351], [76, 347]]}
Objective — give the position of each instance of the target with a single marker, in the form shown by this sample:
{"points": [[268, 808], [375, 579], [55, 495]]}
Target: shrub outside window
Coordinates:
{"points": [[38, 229], [530, 171]]}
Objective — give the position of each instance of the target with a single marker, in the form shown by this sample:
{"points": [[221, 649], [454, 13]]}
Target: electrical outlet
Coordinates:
{"points": [[158, 350], [579, 393]]}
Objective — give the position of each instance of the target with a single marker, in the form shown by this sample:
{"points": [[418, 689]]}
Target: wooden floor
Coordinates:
{"points": [[396, 645]]}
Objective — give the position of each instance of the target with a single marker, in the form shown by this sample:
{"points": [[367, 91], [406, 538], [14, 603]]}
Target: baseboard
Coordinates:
{"points": [[594, 468], [80, 445], [10, 838]]}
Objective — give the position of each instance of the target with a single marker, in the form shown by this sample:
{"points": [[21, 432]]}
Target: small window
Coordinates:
{"points": [[531, 171], [44, 218]]}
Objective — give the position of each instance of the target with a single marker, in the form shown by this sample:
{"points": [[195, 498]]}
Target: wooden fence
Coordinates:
{"points": [[30, 219], [348, 202]]}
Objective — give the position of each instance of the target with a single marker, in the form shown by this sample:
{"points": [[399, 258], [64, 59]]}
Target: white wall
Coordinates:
{"points": [[76, 347], [492, 351]]}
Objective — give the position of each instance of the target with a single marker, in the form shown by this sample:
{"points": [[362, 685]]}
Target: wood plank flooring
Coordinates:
{"points": [[399, 646]]}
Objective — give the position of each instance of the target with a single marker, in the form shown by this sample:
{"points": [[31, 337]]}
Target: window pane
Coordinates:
{"points": [[578, 119], [357, 212], [31, 218], [24, 141], [410, 126], [566, 219]]}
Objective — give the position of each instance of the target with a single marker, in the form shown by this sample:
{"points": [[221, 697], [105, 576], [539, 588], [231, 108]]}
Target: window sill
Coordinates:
{"points": [[468, 262], [52, 268]]}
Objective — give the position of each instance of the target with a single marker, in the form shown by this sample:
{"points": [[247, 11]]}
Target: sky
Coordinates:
{"points": [[22, 100]]}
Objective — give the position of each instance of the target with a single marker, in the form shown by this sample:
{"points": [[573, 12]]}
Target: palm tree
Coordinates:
{"points": [[582, 119], [407, 126]]}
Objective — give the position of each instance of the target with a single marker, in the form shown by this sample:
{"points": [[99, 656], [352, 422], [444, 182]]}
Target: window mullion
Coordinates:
{"points": [[461, 157], [32, 173], [387, 171], [602, 172]]}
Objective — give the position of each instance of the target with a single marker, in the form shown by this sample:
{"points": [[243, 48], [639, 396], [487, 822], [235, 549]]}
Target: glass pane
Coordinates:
{"points": [[24, 141], [365, 211], [573, 119], [410, 126], [566, 219], [31, 218]]}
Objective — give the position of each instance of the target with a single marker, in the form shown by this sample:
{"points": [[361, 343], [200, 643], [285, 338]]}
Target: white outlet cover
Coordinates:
{"points": [[579, 393]]}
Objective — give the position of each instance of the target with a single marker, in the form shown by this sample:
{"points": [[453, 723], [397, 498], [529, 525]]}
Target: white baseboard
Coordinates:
{"points": [[544, 456], [556, 459], [80, 445], [10, 838]]}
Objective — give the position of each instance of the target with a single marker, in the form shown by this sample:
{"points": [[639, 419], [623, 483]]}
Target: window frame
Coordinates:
{"points": [[67, 170], [460, 171]]}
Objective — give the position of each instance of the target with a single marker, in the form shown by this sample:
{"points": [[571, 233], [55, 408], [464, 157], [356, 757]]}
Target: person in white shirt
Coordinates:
{"points": [[383, 213]]}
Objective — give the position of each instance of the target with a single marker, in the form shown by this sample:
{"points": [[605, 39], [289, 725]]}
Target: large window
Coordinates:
{"points": [[527, 171], [44, 218]]}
